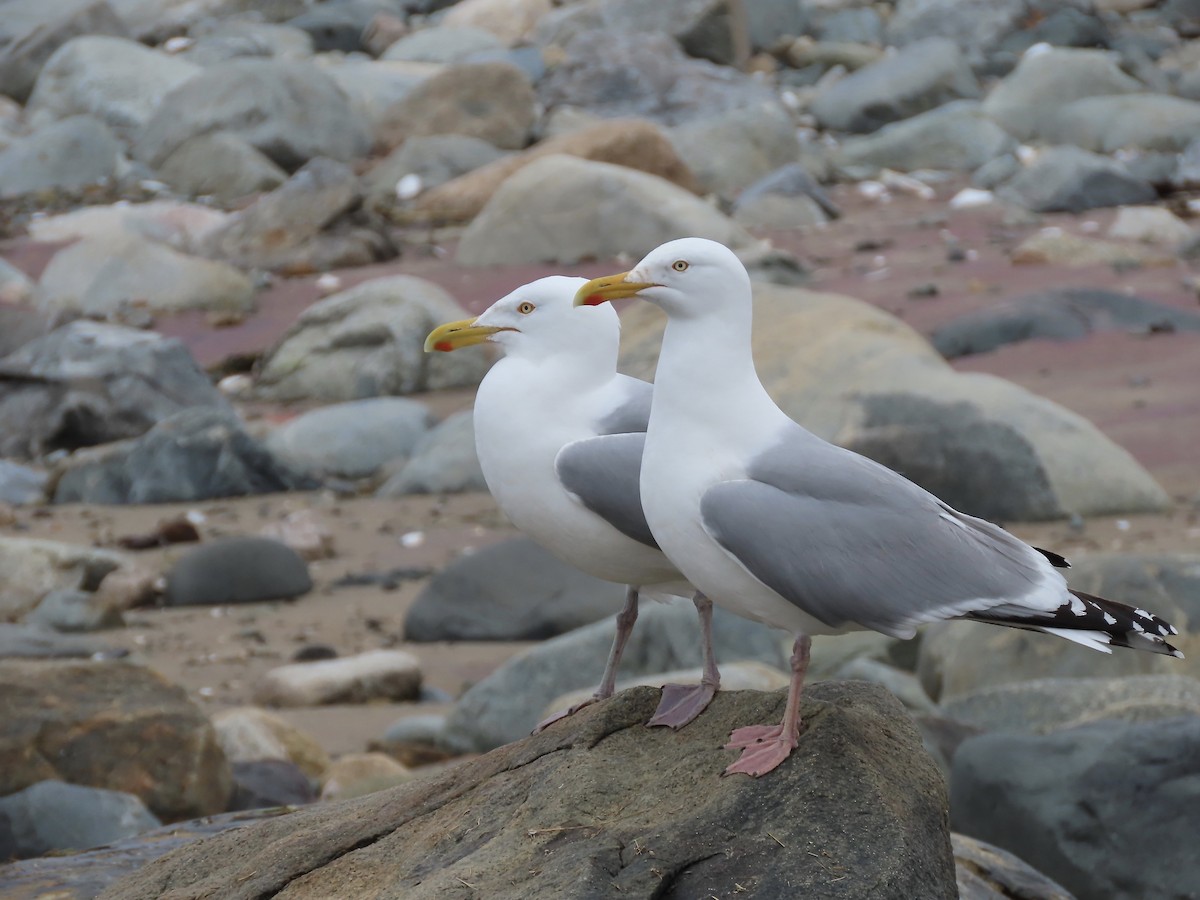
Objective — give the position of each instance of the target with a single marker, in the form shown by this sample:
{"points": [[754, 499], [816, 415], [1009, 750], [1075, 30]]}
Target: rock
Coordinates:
{"points": [[976, 26], [73, 610], [880, 815], [217, 41], [1067, 179], [33, 568], [490, 101], [533, 216], [1126, 122], [359, 774], [290, 111], [198, 454], [956, 136], [732, 150], [52, 816], [792, 181], [443, 461], [109, 725], [432, 160], [237, 570], [339, 25], [110, 276], [633, 143], [645, 75], [277, 230], [261, 783], [506, 705], [442, 44], [701, 27], [305, 532], [71, 153], [89, 383], [509, 20], [860, 378], [920, 77], [1046, 705], [1027, 102], [118, 81], [28, 642], [823, 55], [510, 591], [219, 165], [1150, 225], [1061, 314], [351, 440], [32, 30], [247, 733], [20, 485], [414, 740], [178, 224], [989, 873], [1063, 801], [773, 212], [15, 288], [1051, 245], [375, 86], [374, 675], [366, 342], [904, 686]]}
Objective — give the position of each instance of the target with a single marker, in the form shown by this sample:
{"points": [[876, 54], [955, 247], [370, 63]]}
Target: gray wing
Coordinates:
{"points": [[632, 413], [604, 473], [848, 540]]}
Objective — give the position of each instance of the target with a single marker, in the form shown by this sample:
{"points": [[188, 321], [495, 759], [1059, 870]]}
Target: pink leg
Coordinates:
{"points": [[765, 746], [681, 703], [608, 682]]}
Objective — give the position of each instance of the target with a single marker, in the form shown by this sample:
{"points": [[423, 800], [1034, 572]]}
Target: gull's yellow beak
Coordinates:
{"points": [[463, 333], [610, 287]]}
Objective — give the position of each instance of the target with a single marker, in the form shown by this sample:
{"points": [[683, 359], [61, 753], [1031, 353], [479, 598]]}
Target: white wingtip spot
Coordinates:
{"points": [[1110, 620]]}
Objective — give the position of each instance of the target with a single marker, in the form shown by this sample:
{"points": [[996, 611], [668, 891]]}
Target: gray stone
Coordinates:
{"points": [[71, 610], [20, 485], [351, 440], [114, 275], [701, 27], [423, 729], [511, 591], [792, 180], [371, 676], [857, 25], [218, 41], [262, 783], [534, 215], [1067, 179], [992, 174], [506, 705], [290, 111], [1150, 225], [1046, 705], [904, 686], [645, 75], [53, 816], [1027, 102], [33, 568], [919, 77], [237, 570], [441, 44], [375, 87], [338, 25], [443, 461], [773, 212], [30, 642], [368, 341], [956, 136], [1062, 802], [31, 30], [977, 26], [118, 81], [15, 288], [986, 872], [71, 153], [732, 150], [89, 383], [433, 159], [1061, 314], [219, 165], [198, 454], [491, 101], [1127, 122], [1059, 26]]}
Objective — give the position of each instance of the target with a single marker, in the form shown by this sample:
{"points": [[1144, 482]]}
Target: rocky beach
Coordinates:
{"points": [[263, 631]]}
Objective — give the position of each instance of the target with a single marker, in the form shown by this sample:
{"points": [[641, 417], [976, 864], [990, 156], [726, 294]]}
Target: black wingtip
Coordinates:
{"points": [[1059, 562]]}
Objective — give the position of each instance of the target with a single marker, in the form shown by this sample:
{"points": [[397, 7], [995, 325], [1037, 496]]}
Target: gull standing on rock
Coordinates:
{"points": [[782, 527], [559, 433]]}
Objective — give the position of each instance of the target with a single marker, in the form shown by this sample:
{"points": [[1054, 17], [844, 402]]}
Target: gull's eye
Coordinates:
{"points": [[526, 308], [680, 265]]}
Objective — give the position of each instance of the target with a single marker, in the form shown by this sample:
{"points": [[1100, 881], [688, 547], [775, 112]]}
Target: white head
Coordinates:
{"points": [[538, 321], [687, 278]]}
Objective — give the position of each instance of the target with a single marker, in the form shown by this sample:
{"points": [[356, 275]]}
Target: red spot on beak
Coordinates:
{"points": [[444, 346], [594, 300]]}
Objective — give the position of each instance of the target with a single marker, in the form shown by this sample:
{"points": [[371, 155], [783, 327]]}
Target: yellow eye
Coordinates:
{"points": [[526, 308], [680, 265]]}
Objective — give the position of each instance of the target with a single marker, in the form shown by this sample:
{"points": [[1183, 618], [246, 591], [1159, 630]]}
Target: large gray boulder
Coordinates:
{"points": [[441, 44], [535, 215], [64, 155], [220, 165], [31, 30], [291, 111], [1068, 179], [34, 568], [859, 377], [237, 570], [1089, 806], [1126, 122], [90, 383], [20, 484], [732, 150], [368, 341], [977, 26], [443, 461], [54, 816], [433, 160], [919, 77], [510, 823], [956, 136]]}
